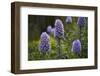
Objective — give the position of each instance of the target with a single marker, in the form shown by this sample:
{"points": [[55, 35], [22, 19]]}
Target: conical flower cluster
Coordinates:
{"points": [[59, 29], [76, 46], [81, 21], [49, 29], [69, 19], [44, 43]]}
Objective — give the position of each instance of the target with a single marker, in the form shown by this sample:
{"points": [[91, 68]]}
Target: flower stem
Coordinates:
{"points": [[59, 48], [43, 56], [80, 41], [80, 33]]}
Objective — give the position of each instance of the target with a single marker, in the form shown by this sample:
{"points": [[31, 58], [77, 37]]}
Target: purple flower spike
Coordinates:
{"points": [[76, 46], [44, 43], [69, 19], [59, 29], [49, 29], [81, 21]]}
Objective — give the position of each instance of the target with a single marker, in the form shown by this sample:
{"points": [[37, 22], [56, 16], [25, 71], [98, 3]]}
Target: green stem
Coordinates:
{"points": [[80, 41], [43, 56], [80, 33], [59, 48]]}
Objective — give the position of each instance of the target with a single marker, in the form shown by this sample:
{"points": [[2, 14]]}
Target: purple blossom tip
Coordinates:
{"points": [[81, 21], [76, 46], [49, 29], [69, 19]]}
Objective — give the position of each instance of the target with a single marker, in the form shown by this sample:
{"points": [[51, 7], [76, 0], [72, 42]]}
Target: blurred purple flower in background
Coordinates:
{"points": [[76, 46], [49, 29], [59, 29], [44, 43], [69, 19], [81, 21]]}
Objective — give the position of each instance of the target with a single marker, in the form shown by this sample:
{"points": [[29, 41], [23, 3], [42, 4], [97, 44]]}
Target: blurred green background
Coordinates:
{"points": [[38, 24]]}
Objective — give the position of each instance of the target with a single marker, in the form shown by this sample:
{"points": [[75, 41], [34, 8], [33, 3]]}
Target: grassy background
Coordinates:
{"points": [[38, 24]]}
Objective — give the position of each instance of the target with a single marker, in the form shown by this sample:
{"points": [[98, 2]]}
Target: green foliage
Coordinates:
{"points": [[72, 32]]}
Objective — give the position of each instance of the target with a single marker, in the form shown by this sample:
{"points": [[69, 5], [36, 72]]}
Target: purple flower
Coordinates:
{"points": [[59, 29], [44, 43], [81, 21], [69, 19], [76, 46], [49, 28]]}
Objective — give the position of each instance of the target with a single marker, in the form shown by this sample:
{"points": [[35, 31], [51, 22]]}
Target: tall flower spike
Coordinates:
{"points": [[44, 43], [69, 19], [76, 46], [81, 21], [59, 29], [49, 29]]}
